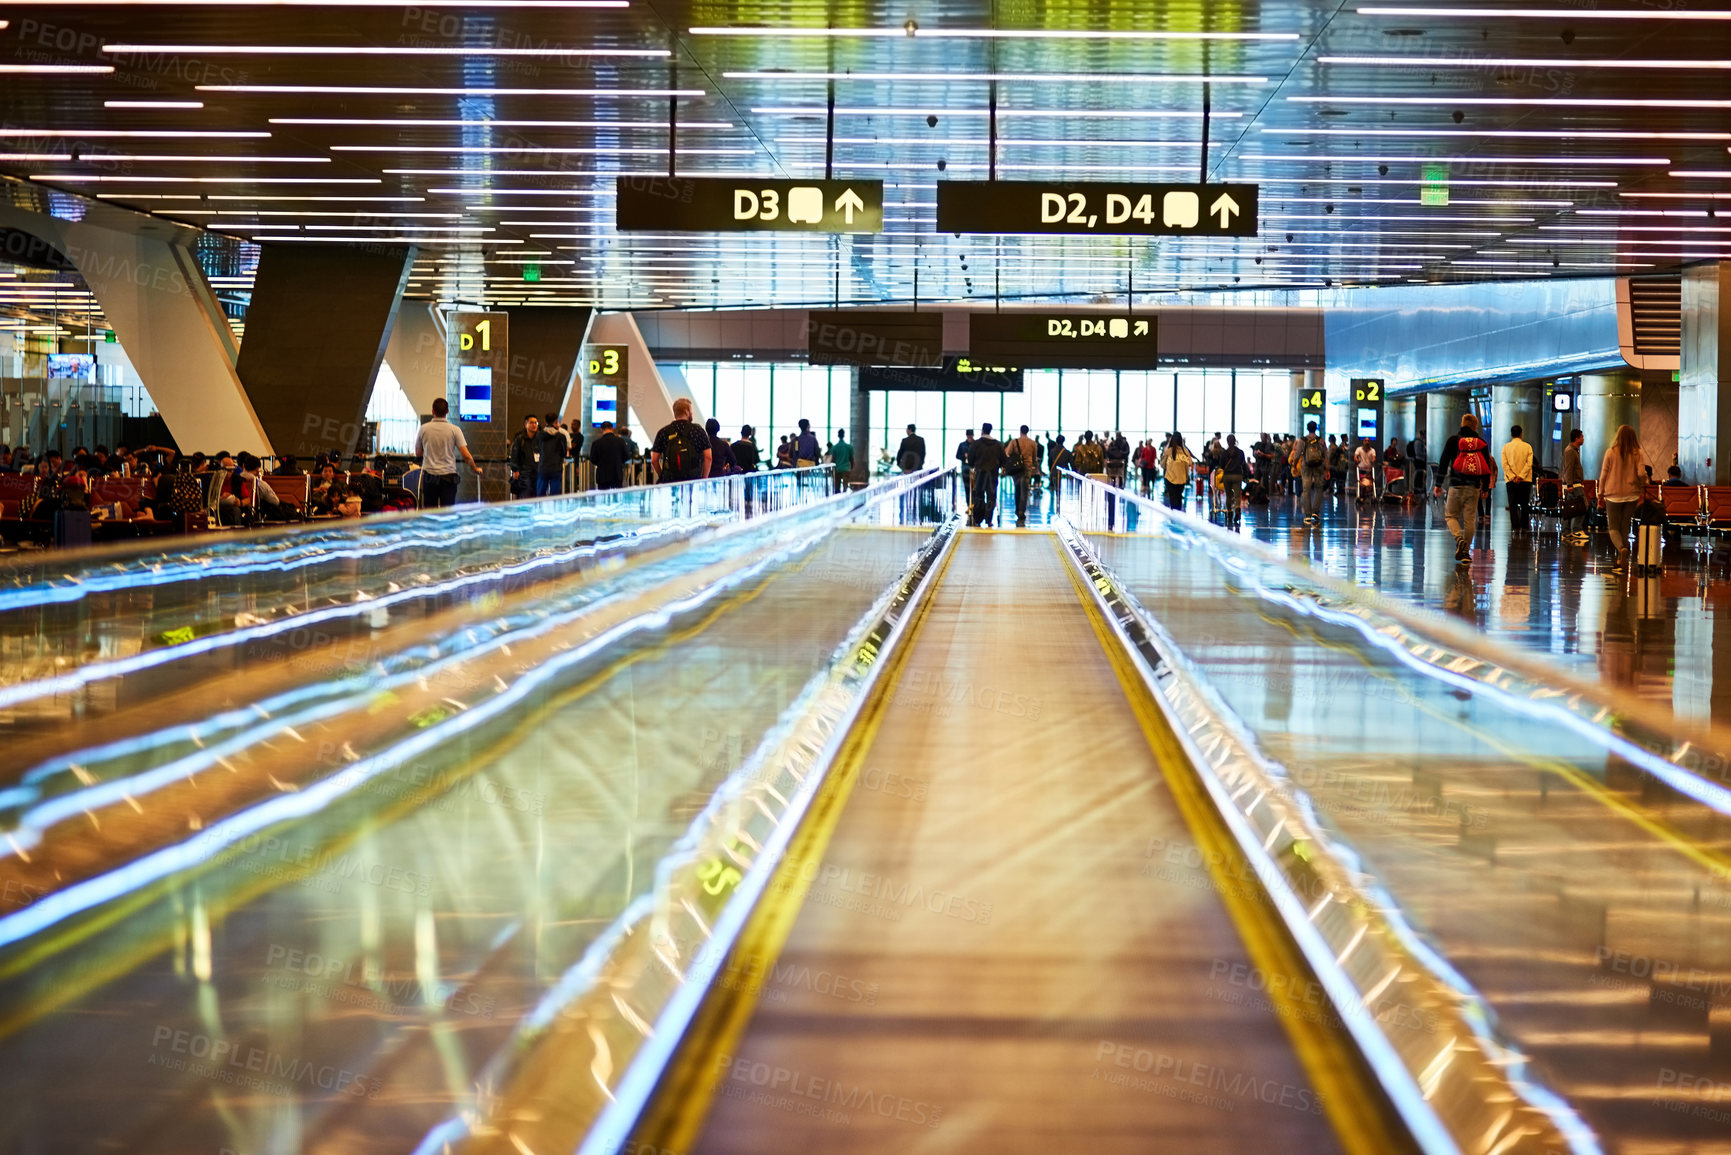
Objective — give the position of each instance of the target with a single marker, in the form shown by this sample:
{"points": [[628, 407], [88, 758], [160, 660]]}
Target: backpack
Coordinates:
{"points": [[1472, 457], [682, 461], [1315, 453]]}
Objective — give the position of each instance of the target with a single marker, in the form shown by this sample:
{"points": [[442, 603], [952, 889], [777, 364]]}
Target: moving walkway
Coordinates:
{"points": [[860, 832]]}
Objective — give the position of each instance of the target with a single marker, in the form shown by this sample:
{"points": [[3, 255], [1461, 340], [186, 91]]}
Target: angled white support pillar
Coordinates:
{"points": [[416, 353], [147, 279]]}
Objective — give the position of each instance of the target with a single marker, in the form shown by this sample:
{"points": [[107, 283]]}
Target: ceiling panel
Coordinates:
{"points": [[1573, 142]]}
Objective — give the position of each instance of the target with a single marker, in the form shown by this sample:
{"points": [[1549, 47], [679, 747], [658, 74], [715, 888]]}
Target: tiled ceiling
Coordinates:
{"points": [[1571, 141]]}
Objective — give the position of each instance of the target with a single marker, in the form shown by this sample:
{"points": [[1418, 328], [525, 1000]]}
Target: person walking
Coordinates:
{"points": [[745, 453], [437, 445], [551, 446], [524, 457], [1310, 457], [1117, 459], [1569, 479], [721, 459], [805, 450], [1026, 456], [1518, 481], [1364, 461], [1418, 459], [911, 454], [841, 456], [681, 450], [1622, 481], [1233, 468], [608, 455], [965, 455], [1057, 460], [1466, 462], [988, 457], [1175, 465]]}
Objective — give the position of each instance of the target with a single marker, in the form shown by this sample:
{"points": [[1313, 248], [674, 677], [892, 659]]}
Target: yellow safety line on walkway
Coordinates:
{"points": [[1352, 1098], [674, 1118]]}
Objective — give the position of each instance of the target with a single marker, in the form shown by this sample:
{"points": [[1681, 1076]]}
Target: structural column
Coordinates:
{"points": [[316, 331], [1701, 417], [1607, 401], [1443, 413], [416, 353], [1519, 404], [147, 279]]}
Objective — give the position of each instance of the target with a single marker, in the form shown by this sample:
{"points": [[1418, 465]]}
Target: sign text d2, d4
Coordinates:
{"points": [[1101, 209]]}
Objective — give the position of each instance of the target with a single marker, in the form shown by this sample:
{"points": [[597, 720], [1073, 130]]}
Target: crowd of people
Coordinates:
{"points": [[1310, 467]]}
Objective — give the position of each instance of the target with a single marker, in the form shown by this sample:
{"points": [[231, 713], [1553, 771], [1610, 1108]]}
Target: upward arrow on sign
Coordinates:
{"points": [[1141, 328], [1225, 208], [847, 202]]}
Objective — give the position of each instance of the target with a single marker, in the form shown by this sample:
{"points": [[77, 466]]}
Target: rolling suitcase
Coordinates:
{"points": [[1649, 538]]}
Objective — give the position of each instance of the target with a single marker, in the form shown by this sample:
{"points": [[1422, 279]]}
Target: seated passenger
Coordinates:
{"points": [[367, 482], [1674, 476], [332, 498]]}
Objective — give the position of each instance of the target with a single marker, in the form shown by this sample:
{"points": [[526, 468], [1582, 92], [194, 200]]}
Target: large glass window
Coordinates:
{"points": [[1276, 401], [1247, 412], [1217, 401], [1192, 384], [1041, 398]]}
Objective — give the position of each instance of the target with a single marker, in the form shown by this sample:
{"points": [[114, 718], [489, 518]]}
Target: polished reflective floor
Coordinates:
{"points": [[1585, 902], [1013, 936]]}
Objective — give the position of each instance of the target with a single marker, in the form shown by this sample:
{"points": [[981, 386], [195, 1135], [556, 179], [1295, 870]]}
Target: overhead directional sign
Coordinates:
{"points": [[957, 375], [749, 204], [1311, 402], [1097, 209], [874, 337], [1052, 340]]}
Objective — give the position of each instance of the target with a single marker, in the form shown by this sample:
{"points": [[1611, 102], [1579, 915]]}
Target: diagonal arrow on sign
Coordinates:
{"points": [[1224, 207], [847, 203], [1141, 329]]}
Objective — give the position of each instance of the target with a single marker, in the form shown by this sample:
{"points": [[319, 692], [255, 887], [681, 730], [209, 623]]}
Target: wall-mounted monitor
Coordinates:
{"points": [[475, 393], [1367, 423], [603, 404], [72, 366]]}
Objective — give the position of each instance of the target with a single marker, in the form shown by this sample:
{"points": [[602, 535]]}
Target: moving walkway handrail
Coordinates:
{"points": [[63, 576], [1692, 758], [624, 1008], [150, 865], [1453, 1083], [478, 549]]}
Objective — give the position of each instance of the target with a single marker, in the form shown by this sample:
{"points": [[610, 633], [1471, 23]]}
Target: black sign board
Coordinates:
{"points": [[1367, 390], [956, 375], [1312, 401], [1097, 209], [1367, 397], [749, 204], [873, 337], [1038, 340]]}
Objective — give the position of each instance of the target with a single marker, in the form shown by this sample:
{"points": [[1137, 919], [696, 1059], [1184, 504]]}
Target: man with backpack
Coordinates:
{"points": [[1310, 456], [681, 449], [1088, 457], [1022, 463], [1466, 459]]}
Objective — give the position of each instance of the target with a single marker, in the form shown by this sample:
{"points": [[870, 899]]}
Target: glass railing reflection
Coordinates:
{"points": [[341, 973], [1552, 851]]}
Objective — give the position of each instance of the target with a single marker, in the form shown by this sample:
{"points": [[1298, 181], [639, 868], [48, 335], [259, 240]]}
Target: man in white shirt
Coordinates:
{"points": [[437, 445], [1365, 458], [1518, 476]]}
